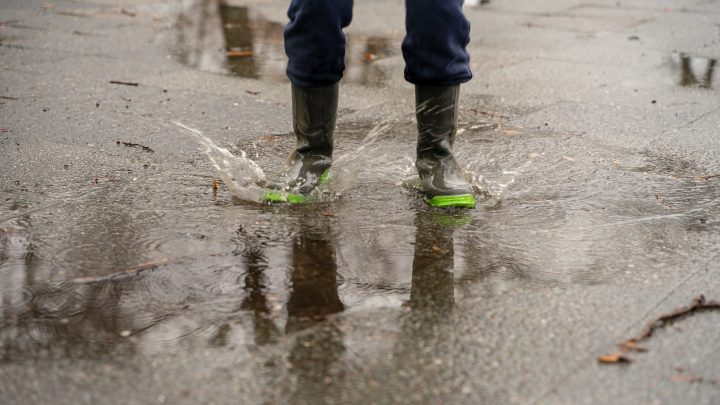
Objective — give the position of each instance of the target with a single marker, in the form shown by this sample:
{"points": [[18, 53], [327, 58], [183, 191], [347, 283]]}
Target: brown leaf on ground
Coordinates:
{"points": [[214, 184], [614, 358]]}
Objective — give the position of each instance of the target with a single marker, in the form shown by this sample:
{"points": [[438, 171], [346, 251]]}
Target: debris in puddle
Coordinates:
{"points": [[239, 54], [123, 83], [254, 93], [127, 273], [369, 57], [438, 249], [698, 304], [709, 176], [127, 12], [633, 38], [136, 145]]}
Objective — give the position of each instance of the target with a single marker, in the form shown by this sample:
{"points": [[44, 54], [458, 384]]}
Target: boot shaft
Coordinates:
{"points": [[436, 111], [314, 115]]}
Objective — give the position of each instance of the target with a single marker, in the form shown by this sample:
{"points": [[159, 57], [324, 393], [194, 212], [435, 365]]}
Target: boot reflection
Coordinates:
{"points": [[314, 295], [433, 262], [314, 292]]}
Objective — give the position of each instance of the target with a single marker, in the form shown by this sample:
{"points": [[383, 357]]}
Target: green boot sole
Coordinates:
{"points": [[274, 196], [452, 201]]}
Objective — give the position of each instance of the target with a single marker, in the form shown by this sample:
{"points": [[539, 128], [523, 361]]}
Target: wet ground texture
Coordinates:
{"points": [[590, 135]]}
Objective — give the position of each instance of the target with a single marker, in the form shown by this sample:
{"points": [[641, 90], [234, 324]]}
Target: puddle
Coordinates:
{"points": [[694, 71], [237, 40], [161, 264]]}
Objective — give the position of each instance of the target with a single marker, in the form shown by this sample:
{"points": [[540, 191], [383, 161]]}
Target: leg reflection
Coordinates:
{"points": [[433, 262], [314, 292], [313, 296]]}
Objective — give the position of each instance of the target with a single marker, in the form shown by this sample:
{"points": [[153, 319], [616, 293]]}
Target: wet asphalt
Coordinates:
{"points": [[590, 132]]}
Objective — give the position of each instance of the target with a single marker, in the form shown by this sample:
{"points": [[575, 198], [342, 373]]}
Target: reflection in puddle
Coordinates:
{"points": [[561, 210], [695, 71], [236, 40]]}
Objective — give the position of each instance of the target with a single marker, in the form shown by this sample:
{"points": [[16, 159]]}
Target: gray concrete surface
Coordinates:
{"points": [[590, 151]]}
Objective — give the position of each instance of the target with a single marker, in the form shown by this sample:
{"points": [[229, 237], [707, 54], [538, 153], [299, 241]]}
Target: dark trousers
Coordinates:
{"points": [[434, 48]]}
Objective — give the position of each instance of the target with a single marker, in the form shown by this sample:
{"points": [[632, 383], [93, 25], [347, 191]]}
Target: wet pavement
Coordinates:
{"points": [[590, 134]]}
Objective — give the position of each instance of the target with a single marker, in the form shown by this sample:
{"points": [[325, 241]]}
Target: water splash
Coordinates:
{"points": [[240, 173], [244, 176], [348, 166]]}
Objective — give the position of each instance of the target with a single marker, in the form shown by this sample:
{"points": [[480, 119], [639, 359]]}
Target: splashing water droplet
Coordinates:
{"points": [[241, 174]]}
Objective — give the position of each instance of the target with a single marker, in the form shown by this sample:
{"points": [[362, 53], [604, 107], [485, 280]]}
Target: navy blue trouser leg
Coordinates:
{"points": [[437, 34], [434, 48], [314, 41]]}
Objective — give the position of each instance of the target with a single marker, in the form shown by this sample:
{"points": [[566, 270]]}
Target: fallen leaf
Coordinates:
{"points": [[214, 184], [613, 358], [368, 56], [239, 54]]}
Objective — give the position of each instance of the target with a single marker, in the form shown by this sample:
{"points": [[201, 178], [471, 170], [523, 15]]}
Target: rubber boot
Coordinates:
{"points": [[442, 180], [314, 114]]}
